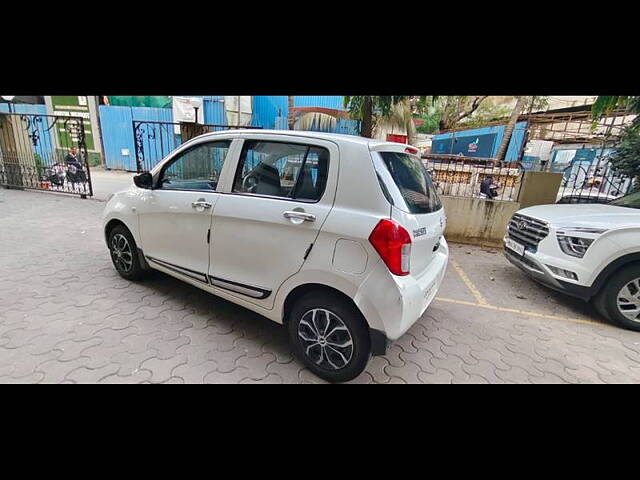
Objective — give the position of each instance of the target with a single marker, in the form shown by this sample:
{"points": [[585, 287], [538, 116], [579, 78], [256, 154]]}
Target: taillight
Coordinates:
{"points": [[411, 150], [393, 243]]}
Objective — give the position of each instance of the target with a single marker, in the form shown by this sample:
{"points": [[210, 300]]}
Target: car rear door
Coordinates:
{"points": [[269, 216]]}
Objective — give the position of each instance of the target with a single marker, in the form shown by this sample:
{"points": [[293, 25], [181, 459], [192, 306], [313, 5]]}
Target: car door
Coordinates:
{"points": [[267, 220], [175, 217]]}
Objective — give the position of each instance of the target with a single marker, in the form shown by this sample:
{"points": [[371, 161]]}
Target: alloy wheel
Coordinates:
{"points": [[326, 340], [121, 253], [629, 300]]}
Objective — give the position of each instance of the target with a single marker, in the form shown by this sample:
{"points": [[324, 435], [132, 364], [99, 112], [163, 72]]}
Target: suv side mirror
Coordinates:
{"points": [[144, 180]]}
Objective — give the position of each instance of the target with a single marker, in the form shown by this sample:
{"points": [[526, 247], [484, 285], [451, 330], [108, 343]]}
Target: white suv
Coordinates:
{"points": [[587, 251], [338, 237]]}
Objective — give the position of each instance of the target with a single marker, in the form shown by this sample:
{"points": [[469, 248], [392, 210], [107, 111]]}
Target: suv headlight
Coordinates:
{"points": [[574, 246]]}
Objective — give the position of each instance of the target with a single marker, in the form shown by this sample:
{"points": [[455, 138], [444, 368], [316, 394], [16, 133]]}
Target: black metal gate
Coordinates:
{"points": [[44, 152], [155, 140]]}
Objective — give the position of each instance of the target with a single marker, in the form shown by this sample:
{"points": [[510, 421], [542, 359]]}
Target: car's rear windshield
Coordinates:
{"points": [[412, 181], [631, 201]]}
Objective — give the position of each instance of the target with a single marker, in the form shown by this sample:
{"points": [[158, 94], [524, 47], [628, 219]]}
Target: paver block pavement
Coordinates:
{"points": [[67, 317]]}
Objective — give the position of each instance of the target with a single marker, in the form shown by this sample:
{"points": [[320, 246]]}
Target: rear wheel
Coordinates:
{"points": [[330, 336], [620, 299], [124, 253]]}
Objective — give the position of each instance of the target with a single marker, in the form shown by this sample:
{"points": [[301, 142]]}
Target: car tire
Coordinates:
{"points": [[598, 304], [336, 350], [127, 261], [620, 298]]}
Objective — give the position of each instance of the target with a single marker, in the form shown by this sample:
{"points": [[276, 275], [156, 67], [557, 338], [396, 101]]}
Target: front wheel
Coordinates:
{"points": [[330, 336], [620, 299], [124, 253]]}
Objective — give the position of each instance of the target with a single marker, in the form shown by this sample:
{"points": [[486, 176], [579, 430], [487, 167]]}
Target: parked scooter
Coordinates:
{"points": [[76, 172], [55, 174]]}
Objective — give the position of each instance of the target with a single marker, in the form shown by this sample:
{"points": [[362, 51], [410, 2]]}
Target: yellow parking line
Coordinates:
{"points": [[476, 293], [521, 312]]}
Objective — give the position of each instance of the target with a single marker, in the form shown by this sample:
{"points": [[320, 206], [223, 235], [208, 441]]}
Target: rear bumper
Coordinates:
{"points": [[538, 272], [393, 304]]}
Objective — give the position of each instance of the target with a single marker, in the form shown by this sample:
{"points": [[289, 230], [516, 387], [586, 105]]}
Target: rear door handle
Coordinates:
{"points": [[307, 217], [201, 204]]}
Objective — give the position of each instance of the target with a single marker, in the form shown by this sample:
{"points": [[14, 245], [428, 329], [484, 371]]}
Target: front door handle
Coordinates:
{"points": [[201, 204], [307, 217]]}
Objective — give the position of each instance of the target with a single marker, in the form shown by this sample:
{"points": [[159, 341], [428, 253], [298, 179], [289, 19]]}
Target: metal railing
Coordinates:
{"points": [[155, 140], [44, 152], [459, 176]]}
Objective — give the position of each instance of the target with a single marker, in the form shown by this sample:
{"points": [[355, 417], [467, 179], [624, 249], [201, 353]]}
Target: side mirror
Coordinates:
{"points": [[144, 180]]}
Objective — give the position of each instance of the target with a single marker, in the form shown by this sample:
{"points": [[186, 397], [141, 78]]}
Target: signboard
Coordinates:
{"points": [[468, 146], [474, 146], [73, 106], [185, 110], [441, 146]]}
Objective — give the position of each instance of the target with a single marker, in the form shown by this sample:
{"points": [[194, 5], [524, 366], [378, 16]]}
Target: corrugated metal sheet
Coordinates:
{"points": [[266, 108], [117, 130], [272, 111], [269, 111], [325, 101], [116, 124]]}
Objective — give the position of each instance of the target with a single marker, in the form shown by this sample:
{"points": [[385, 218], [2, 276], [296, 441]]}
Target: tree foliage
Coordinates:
{"points": [[625, 160], [449, 112], [605, 104], [368, 109]]}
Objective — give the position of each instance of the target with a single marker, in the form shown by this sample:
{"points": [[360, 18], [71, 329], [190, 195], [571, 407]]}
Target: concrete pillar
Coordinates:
{"points": [[539, 188]]}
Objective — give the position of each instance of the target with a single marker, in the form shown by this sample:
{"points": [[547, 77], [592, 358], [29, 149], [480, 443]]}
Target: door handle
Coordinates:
{"points": [[307, 217], [201, 204]]}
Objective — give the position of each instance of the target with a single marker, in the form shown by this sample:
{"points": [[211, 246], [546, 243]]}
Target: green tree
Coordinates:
{"points": [[455, 108], [369, 108], [625, 160]]}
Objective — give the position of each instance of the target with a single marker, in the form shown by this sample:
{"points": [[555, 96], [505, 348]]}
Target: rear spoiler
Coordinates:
{"points": [[394, 147]]}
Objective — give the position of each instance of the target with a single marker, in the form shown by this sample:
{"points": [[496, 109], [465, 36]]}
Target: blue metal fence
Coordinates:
{"points": [[117, 133], [269, 112]]}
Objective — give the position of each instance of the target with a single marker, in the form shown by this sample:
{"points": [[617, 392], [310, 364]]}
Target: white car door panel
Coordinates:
{"points": [[258, 240], [175, 218], [174, 227]]}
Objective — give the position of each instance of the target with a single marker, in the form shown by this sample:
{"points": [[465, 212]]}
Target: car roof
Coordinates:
{"points": [[335, 137]]}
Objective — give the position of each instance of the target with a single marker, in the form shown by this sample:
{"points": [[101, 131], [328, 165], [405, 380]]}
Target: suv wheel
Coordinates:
{"points": [[330, 336], [124, 253], [620, 299]]}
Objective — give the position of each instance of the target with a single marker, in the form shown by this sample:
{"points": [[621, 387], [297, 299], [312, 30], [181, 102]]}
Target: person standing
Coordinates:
{"points": [[488, 188]]}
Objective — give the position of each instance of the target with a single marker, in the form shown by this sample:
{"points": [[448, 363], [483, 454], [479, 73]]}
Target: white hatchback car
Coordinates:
{"points": [[338, 237]]}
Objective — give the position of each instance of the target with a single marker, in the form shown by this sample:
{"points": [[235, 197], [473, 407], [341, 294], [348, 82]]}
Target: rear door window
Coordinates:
{"points": [[285, 170], [414, 190]]}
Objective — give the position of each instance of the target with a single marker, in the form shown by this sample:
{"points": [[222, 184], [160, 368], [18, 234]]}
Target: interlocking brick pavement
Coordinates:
{"points": [[66, 316]]}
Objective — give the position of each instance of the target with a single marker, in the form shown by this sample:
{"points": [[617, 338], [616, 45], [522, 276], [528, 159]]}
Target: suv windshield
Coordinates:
{"points": [[630, 201], [412, 181]]}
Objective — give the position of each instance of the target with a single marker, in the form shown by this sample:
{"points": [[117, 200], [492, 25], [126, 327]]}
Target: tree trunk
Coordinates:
{"points": [[367, 118], [508, 131], [290, 117]]}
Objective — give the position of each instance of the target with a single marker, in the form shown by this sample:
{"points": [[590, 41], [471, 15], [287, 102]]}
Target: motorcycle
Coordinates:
{"points": [[71, 172]]}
